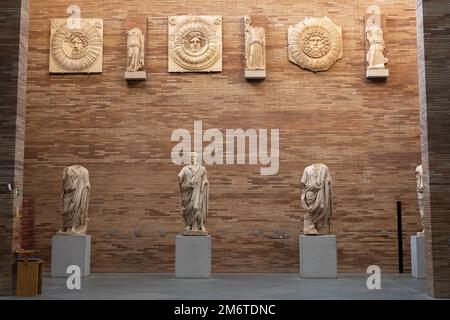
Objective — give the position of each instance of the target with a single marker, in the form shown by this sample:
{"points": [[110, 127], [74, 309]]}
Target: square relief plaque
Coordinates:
{"points": [[195, 44]]}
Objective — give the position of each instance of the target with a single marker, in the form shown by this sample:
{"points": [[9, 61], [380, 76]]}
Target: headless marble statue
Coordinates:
{"points": [[75, 200], [375, 56], [254, 46], [420, 197], [135, 45], [316, 199], [194, 191]]}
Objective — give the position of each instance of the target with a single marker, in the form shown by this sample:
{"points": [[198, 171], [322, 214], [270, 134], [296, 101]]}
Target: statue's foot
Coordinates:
{"points": [[311, 232], [195, 233]]}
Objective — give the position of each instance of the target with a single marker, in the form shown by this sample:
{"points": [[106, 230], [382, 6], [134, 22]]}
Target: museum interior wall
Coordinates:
{"points": [[367, 132], [13, 62], [434, 54]]}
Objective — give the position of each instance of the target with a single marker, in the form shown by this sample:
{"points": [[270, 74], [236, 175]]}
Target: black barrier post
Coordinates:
{"points": [[400, 237]]}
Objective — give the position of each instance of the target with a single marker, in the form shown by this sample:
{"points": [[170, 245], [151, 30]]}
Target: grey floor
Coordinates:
{"points": [[287, 286]]}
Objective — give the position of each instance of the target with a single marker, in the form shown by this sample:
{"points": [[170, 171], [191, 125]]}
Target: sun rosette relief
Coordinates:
{"points": [[195, 44], [315, 44], [76, 50]]}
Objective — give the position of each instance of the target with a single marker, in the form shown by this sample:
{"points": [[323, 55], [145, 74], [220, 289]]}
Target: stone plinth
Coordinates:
{"points": [[70, 250], [418, 259], [193, 256], [377, 73], [255, 74], [136, 75], [318, 257]]}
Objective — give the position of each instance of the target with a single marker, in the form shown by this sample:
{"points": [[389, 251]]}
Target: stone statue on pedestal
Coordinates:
{"points": [[420, 197], [194, 194], [75, 200], [135, 45], [255, 51], [135, 55], [375, 59], [316, 199]]}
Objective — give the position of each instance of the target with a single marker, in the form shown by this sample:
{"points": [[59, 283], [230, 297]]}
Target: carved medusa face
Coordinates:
{"points": [[195, 42], [316, 44], [76, 49], [78, 43]]}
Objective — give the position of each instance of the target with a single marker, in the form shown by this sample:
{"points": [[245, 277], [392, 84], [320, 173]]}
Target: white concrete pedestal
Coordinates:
{"points": [[318, 257], [193, 256], [70, 250], [418, 258]]}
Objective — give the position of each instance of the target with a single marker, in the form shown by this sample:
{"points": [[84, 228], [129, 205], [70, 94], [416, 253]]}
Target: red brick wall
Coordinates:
{"points": [[13, 79], [434, 54], [366, 132], [27, 224]]}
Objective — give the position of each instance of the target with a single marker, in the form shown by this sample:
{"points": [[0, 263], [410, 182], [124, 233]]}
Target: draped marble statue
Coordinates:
{"points": [[255, 51], [136, 47], [135, 55], [75, 200], [194, 194], [316, 199], [420, 197], [375, 55]]}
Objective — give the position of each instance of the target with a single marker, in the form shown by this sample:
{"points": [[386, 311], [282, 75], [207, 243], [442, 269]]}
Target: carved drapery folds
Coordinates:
{"points": [[421, 199], [194, 195], [316, 199], [75, 200], [255, 51], [135, 55], [375, 59]]}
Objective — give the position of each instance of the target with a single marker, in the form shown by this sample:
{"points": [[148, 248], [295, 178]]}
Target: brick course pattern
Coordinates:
{"points": [[366, 132], [27, 225], [433, 28], [13, 73]]}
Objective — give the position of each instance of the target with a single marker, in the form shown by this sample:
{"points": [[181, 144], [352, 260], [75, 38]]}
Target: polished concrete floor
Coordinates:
{"points": [[278, 286]]}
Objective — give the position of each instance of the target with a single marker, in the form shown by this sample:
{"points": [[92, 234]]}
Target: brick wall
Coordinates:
{"points": [[13, 66], [433, 28], [27, 224], [366, 132]]}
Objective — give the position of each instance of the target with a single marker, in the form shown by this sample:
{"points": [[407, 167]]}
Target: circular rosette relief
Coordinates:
{"points": [[76, 49], [315, 44], [194, 44]]}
